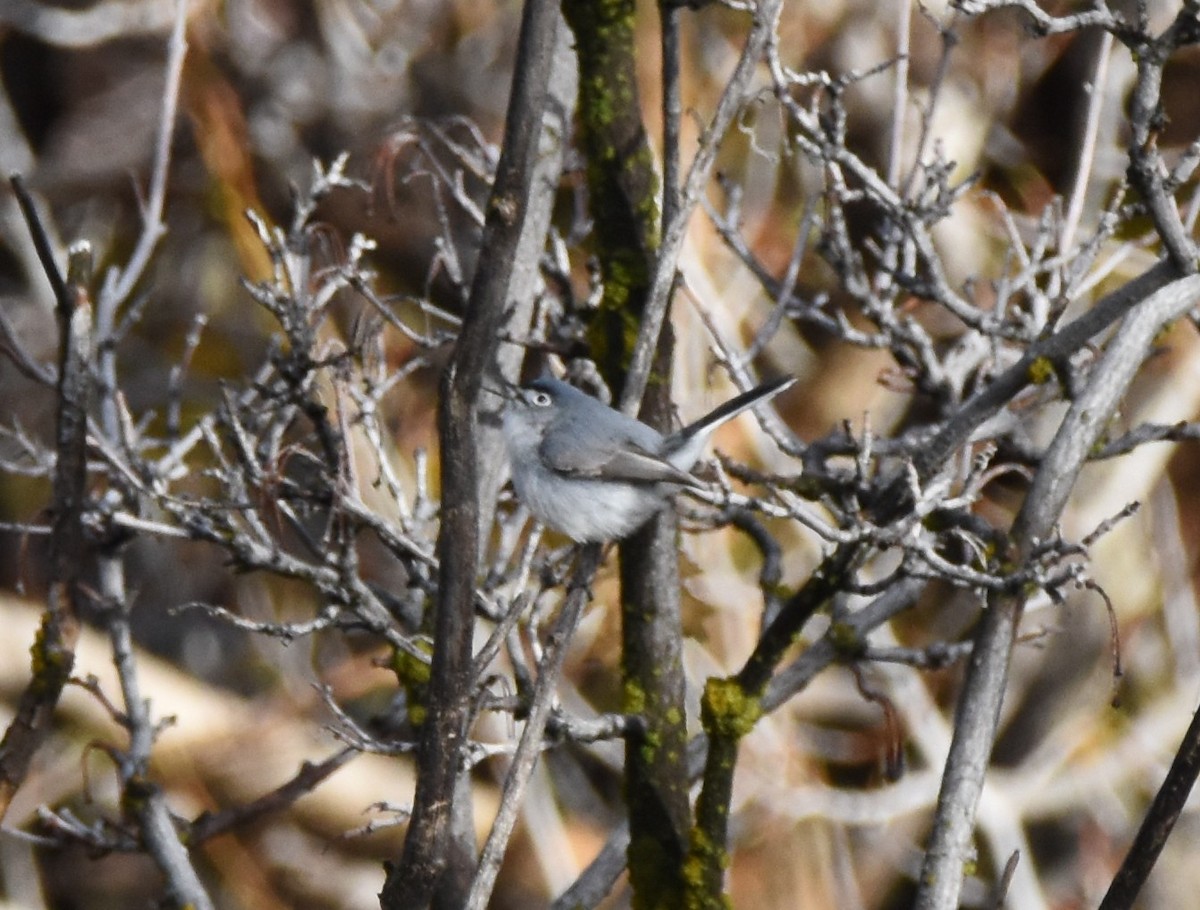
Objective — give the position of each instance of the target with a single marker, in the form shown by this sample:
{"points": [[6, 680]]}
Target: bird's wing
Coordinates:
{"points": [[641, 466], [626, 462]]}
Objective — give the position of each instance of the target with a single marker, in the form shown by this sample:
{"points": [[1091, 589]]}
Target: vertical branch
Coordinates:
{"points": [[412, 882], [672, 109], [735, 95], [652, 680], [53, 651], [621, 182], [141, 797], [1147, 171], [119, 284], [526, 283], [900, 91], [1087, 148]]}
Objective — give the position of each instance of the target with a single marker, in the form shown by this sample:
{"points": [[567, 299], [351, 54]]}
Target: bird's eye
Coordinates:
{"points": [[541, 399]]}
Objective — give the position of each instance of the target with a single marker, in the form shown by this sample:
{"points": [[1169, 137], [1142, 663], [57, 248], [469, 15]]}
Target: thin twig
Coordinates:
{"points": [[1087, 148], [737, 91], [119, 284], [530, 746], [900, 91]]}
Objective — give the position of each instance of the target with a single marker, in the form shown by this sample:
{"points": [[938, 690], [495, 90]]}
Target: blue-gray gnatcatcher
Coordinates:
{"points": [[595, 474]]}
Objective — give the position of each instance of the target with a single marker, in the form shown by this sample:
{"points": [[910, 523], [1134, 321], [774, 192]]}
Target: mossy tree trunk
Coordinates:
{"points": [[623, 187]]}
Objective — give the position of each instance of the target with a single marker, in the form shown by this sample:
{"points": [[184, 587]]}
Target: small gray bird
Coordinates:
{"points": [[595, 474]]}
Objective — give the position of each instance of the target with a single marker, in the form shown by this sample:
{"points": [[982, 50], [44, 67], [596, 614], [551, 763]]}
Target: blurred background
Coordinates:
{"points": [[271, 85]]}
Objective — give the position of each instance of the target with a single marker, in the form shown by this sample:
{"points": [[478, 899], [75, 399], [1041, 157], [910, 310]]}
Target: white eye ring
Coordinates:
{"points": [[541, 399]]}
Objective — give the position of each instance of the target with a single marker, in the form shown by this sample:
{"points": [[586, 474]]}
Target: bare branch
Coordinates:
{"points": [[738, 90]]}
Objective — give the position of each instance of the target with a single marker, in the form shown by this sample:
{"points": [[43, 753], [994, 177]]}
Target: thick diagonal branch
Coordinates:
{"points": [[987, 674]]}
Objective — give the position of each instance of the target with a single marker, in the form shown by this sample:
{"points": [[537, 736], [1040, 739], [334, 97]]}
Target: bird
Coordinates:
{"points": [[595, 474]]}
